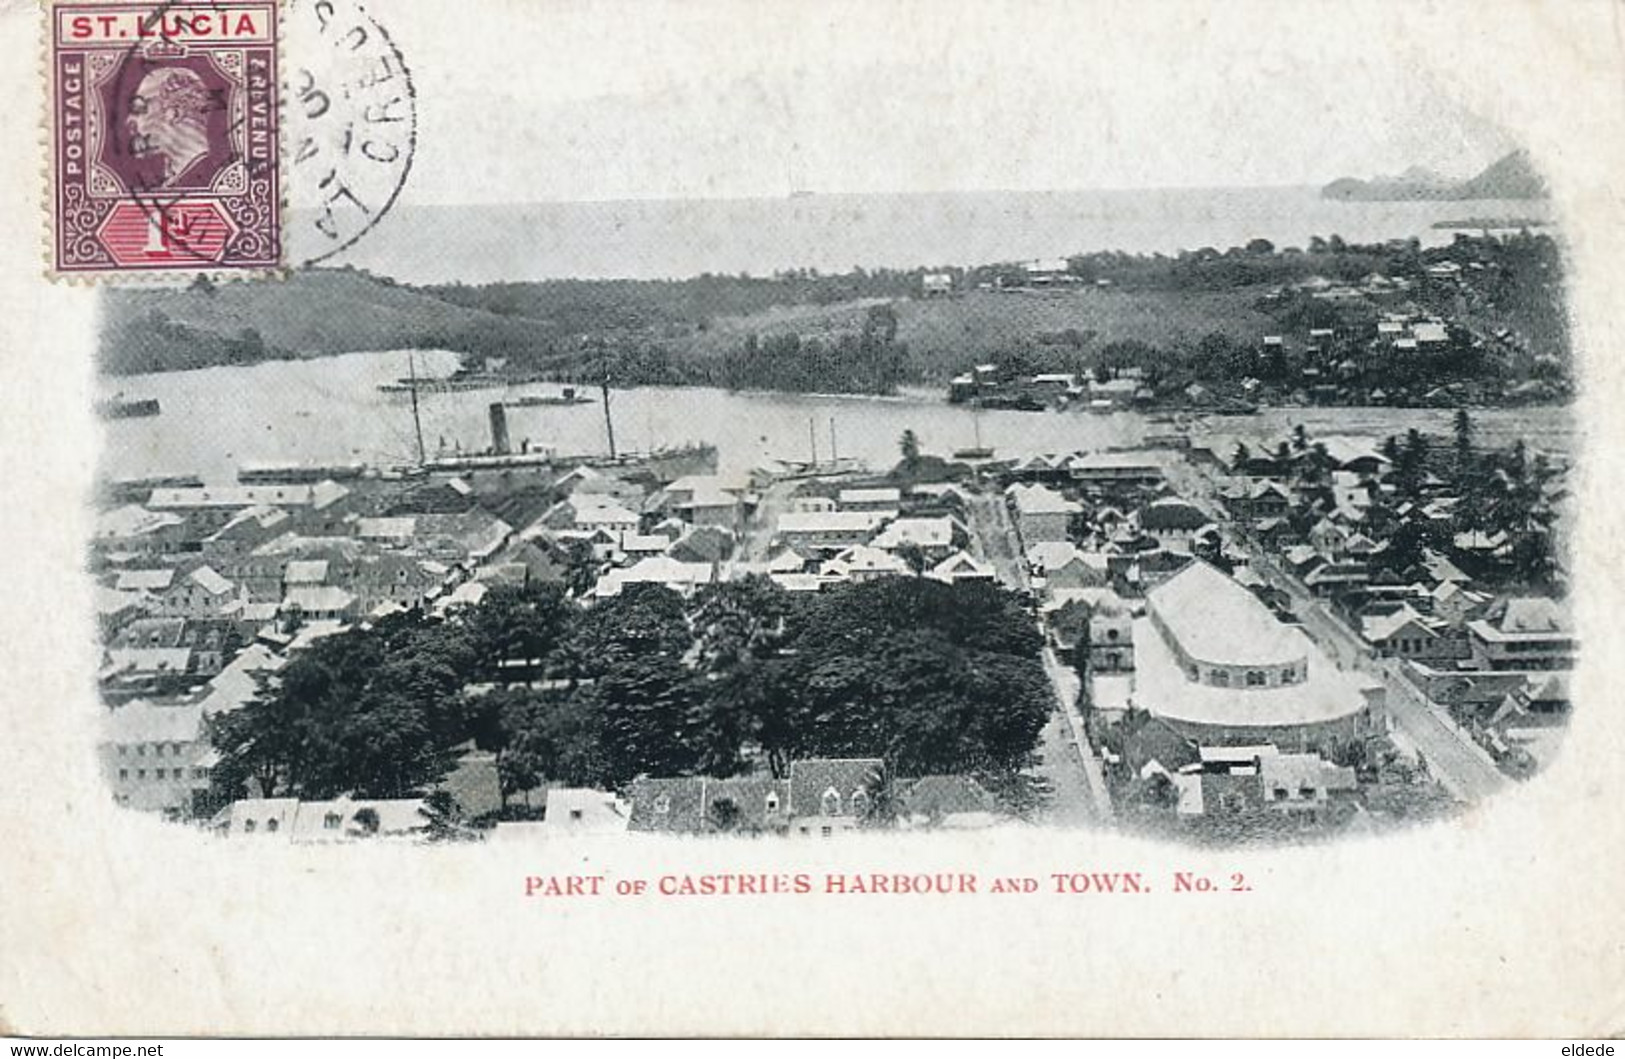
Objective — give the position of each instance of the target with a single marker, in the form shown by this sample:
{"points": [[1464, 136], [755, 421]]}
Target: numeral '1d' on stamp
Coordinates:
{"points": [[165, 137]]}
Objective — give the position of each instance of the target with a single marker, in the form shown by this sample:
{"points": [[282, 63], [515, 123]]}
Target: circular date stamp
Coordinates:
{"points": [[352, 120]]}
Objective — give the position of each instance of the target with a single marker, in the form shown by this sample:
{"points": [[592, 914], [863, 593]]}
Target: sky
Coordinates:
{"points": [[537, 100]]}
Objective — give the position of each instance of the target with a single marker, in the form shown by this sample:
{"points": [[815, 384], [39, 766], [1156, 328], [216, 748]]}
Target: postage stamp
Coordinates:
{"points": [[164, 126]]}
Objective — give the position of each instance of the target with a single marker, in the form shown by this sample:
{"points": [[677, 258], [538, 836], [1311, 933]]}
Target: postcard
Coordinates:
{"points": [[725, 519]]}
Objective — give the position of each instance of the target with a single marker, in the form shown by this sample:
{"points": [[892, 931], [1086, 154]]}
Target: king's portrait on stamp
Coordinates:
{"points": [[164, 124]]}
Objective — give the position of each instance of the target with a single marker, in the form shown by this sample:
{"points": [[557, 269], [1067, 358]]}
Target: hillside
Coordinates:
{"points": [[310, 314], [1511, 177], [946, 336]]}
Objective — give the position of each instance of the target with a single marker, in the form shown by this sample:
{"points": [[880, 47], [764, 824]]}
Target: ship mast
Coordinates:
{"points": [[812, 439], [417, 421], [603, 385], [834, 453]]}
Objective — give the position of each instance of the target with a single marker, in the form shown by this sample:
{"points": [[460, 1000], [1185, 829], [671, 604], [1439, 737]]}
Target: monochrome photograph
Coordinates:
{"points": [[825, 456]]}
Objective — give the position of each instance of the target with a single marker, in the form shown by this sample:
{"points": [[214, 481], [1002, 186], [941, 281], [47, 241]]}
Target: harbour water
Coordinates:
{"points": [[330, 411]]}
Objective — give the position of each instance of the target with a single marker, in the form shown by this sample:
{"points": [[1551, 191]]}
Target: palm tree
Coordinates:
{"points": [[882, 805], [909, 444], [723, 815], [914, 556]]}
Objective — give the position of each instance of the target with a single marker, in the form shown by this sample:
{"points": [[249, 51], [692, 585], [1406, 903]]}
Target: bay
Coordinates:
{"points": [[329, 411]]}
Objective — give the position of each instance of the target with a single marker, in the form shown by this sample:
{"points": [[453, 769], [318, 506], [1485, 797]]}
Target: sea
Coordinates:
{"points": [[657, 239]]}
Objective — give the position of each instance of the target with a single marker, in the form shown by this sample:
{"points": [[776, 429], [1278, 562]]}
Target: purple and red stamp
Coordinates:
{"points": [[165, 137]]}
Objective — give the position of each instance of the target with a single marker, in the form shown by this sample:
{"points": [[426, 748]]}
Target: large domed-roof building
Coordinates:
{"points": [[1214, 663]]}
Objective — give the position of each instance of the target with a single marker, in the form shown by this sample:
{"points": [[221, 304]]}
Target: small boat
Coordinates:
{"points": [[117, 407]]}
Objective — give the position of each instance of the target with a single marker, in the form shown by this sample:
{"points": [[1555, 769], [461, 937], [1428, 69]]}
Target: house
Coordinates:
{"points": [[397, 578], [876, 499], [827, 531], [693, 805], [1258, 500], [936, 537], [1083, 570], [156, 757], [470, 537], [1430, 333], [153, 581], [1049, 272], [746, 805], [239, 681], [1304, 783], [674, 805], [1333, 578], [321, 603], [683, 578], [829, 796], [1172, 521], [581, 811], [304, 572], [1150, 746], [202, 593], [936, 285], [1328, 538], [1404, 633], [395, 531], [1357, 454], [642, 545], [711, 507], [813, 503], [862, 563], [467, 594], [1541, 702], [953, 803], [962, 566], [1047, 555], [135, 530], [1114, 469], [337, 820], [587, 511], [1041, 513], [1531, 632], [115, 609]]}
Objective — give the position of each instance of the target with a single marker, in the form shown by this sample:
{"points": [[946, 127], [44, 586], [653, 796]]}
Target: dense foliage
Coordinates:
{"points": [[929, 676]]}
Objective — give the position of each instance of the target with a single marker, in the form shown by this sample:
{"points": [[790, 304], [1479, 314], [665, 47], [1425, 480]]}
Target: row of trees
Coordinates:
{"points": [[928, 676], [868, 360]]}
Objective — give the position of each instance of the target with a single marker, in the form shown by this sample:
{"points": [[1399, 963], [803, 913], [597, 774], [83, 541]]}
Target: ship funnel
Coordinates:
{"points": [[500, 445]]}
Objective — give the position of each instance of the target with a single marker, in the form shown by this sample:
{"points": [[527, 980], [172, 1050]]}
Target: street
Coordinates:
{"points": [[765, 522], [1450, 755], [1077, 782]]}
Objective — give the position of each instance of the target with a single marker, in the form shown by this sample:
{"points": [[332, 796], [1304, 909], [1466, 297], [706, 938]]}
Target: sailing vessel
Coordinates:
{"points": [[979, 451]]}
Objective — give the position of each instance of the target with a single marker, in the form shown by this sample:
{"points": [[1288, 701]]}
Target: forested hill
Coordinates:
{"points": [[1511, 177], [312, 313], [538, 326]]}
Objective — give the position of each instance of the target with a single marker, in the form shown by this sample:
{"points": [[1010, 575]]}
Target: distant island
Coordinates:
{"points": [[1511, 177]]}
